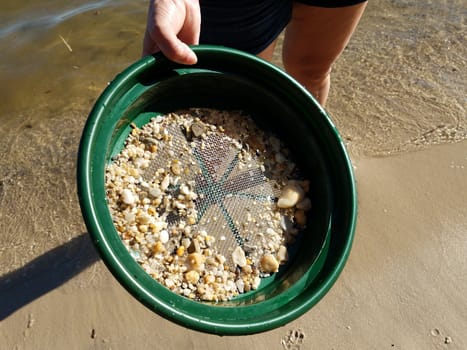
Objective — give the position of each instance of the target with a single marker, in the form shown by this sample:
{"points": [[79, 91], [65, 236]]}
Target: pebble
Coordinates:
{"points": [[195, 261], [31, 321], [300, 217], [164, 236], [128, 197], [304, 204], [197, 129], [256, 282], [238, 257], [291, 194], [269, 263], [194, 246], [192, 276], [240, 285], [282, 254]]}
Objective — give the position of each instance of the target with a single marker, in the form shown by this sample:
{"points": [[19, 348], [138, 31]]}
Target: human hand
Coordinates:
{"points": [[172, 25]]}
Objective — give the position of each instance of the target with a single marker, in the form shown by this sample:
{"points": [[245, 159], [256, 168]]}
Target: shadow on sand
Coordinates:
{"points": [[45, 273]]}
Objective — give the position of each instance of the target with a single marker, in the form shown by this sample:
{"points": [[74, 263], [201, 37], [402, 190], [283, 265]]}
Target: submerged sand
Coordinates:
{"points": [[398, 99]]}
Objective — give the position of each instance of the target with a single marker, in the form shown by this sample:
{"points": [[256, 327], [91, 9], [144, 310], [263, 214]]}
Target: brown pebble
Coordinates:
{"points": [[176, 169], [269, 263], [192, 276], [194, 247], [197, 129], [300, 217], [195, 261], [158, 248]]}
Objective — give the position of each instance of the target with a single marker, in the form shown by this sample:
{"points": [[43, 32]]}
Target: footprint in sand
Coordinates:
{"points": [[293, 339]]}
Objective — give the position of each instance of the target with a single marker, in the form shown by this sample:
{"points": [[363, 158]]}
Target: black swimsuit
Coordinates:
{"points": [[251, 25], [330, 3]]}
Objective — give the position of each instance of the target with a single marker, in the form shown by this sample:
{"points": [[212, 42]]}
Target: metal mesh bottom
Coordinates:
{"points": [[236, 198], [195, 196]]}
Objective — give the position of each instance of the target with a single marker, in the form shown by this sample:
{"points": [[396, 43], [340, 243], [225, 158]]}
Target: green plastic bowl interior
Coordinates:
{"points": [[226, 79]]}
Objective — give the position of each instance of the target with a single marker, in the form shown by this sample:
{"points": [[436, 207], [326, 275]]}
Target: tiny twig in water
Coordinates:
{"points": [[66, 44]]}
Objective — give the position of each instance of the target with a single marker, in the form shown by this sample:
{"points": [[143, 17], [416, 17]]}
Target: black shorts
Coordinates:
{"points": [[251, 25], [330, 3]]}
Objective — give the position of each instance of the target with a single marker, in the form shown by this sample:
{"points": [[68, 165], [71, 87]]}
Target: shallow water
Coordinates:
{"points": [[399, 86], [401, 82]]}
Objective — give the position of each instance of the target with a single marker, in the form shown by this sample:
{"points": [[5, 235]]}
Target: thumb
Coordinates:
{"points": [[178, 51], [175, 49]]}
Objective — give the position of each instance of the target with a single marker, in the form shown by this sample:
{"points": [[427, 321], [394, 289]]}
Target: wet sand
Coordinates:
{"points": [[398, 99]]}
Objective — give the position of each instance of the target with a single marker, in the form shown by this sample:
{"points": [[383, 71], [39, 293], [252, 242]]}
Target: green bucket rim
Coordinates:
{"points": [[241, 319]]}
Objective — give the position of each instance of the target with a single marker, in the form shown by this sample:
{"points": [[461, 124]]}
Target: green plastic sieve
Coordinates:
{"points": [[226, 79]]}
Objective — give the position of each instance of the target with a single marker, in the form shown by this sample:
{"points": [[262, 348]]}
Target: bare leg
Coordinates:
{"points": [[268, 52], [314, 39]]}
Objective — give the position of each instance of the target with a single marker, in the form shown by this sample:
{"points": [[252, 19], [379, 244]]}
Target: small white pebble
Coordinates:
{"points": [[238, 257], [164, 236], [128, 197], [155, 192], [165, 183], [256, 282], [240, 285]]}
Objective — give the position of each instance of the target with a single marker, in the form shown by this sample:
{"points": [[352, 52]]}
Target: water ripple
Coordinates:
{"points": [[50, 20]]}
